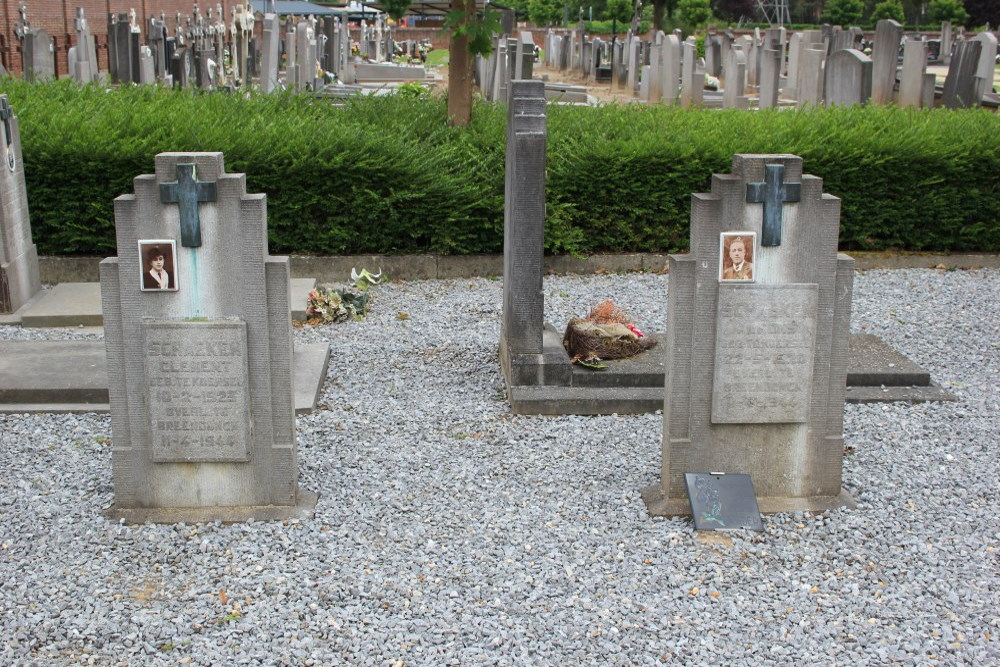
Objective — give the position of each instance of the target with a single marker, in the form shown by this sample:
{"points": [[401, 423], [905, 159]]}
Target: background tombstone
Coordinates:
{"points": [[269, 65], [733, 95], [960, 88], [848, 78], [524, 227], [200, 379], [911, 78], [19, 280], [944, 51], [756, 370], [38, 53], [671, 55], [986, 64], [885, 54], [811, 79], [770, 73], [692, 77]]}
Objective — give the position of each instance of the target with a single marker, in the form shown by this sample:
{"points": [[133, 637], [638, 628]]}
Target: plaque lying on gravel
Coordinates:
{"points": [[721, 501]]}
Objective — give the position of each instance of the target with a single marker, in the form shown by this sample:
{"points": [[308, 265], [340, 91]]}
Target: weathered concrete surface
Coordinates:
{"points": [[71, 376]]}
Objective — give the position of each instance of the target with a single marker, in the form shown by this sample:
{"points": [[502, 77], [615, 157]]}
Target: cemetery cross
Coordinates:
{"points": [[186, 192], [773, 192]]}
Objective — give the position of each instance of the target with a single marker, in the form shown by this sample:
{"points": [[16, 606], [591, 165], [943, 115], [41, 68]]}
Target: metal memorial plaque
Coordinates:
{"points": [[764, 348], [722, 501], [196, 379]]}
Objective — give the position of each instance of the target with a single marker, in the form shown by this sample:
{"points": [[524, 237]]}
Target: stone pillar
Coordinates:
{"points": [[524, 235]]}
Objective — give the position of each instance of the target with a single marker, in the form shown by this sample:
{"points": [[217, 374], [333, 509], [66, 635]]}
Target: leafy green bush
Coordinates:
{"points": [[387, 174], [890, 9]]}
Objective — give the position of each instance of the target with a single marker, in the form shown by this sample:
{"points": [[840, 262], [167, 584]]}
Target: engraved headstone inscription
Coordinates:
{"points": [[757, 340], [199, 348]]}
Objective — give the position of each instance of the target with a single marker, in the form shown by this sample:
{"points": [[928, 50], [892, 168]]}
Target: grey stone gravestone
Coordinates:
{"points": [[911, 78], [960, 87], [692, 76], [19, 281], [757, 360], [524, 225], [200, 376], [770, 71], [795, 48], [885, 53], [38, 53], [811, 79], [946, 43], [848, 78], [986, 64], [671, 55], [733, 96], [272, 41]]}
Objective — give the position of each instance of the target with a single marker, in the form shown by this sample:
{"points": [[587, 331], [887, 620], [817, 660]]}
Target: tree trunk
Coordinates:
{"points": [[460, 70]]}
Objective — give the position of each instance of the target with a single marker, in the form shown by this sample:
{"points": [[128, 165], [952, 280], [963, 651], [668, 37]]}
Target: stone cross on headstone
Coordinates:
{"points": [[773, 193], [187, 191], [23, 25], [8, 133]]}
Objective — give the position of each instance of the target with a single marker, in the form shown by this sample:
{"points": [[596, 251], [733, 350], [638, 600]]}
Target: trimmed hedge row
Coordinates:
{"points": [[387, 175]]}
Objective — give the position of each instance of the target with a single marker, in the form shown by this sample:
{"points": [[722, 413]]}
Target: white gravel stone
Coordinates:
{"points": [[449, 531]]}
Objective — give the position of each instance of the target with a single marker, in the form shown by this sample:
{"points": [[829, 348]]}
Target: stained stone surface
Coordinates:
{"points": [[756, 372], [232, 299]]}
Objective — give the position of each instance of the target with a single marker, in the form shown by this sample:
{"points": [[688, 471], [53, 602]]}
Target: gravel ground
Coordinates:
{"points": [[451, 532]]}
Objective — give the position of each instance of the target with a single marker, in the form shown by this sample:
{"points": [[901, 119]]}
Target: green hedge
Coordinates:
{"points": [[387, 175]]}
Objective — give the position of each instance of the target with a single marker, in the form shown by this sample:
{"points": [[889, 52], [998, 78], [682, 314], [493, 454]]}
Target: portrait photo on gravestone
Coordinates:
{"points": [[159, 267], [736, 253]]}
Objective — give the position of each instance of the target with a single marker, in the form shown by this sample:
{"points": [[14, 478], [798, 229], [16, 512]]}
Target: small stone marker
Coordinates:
{"points": [[19, 280], [757, 340], [199, 365], [721, 501]]}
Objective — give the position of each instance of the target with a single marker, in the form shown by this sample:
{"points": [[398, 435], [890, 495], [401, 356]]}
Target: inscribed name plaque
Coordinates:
{"points": [[199, 404], [765, 339]]}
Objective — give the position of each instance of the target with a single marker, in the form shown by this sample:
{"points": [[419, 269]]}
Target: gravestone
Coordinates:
{"points": [[944, 52], [986, 64], [19, 281], [810, 77], [848, 78], [885, 50], [757, 341], [269, 65], [83, 61], [524, 225], [199, 356], [911, 78], [960, 86], [671, 55], [692, 76], [770, 72], [733, 96]]}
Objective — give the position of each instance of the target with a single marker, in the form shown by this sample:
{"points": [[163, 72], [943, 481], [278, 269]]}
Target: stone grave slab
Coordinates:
{"points": [[757, 341], [197, 333], [79, 304], [72, 376]]}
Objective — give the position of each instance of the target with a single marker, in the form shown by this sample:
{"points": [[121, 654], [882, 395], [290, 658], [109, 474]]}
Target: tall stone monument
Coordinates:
{"points": [[18, 256], [199, 346], [524, 228], [757, 341]]}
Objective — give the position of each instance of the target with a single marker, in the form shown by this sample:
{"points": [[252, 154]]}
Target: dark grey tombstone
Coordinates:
{"points": [[524, 227], [848, 78], [182, 66], [756, 369], [39, 55], [157, 33], [722, 501], [19, 281], [960, 85], [123, 70], [200, 377], [113, 47]]}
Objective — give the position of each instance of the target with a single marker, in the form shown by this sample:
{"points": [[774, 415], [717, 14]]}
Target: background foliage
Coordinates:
{"points": [[387, 174]]}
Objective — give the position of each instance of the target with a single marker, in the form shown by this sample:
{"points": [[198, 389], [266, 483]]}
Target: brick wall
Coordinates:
{"points": [[56, 17]]}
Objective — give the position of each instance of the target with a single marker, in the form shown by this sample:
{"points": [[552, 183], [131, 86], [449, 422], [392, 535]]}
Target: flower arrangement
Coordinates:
{"points": [[326, 305], [605, 333]]}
